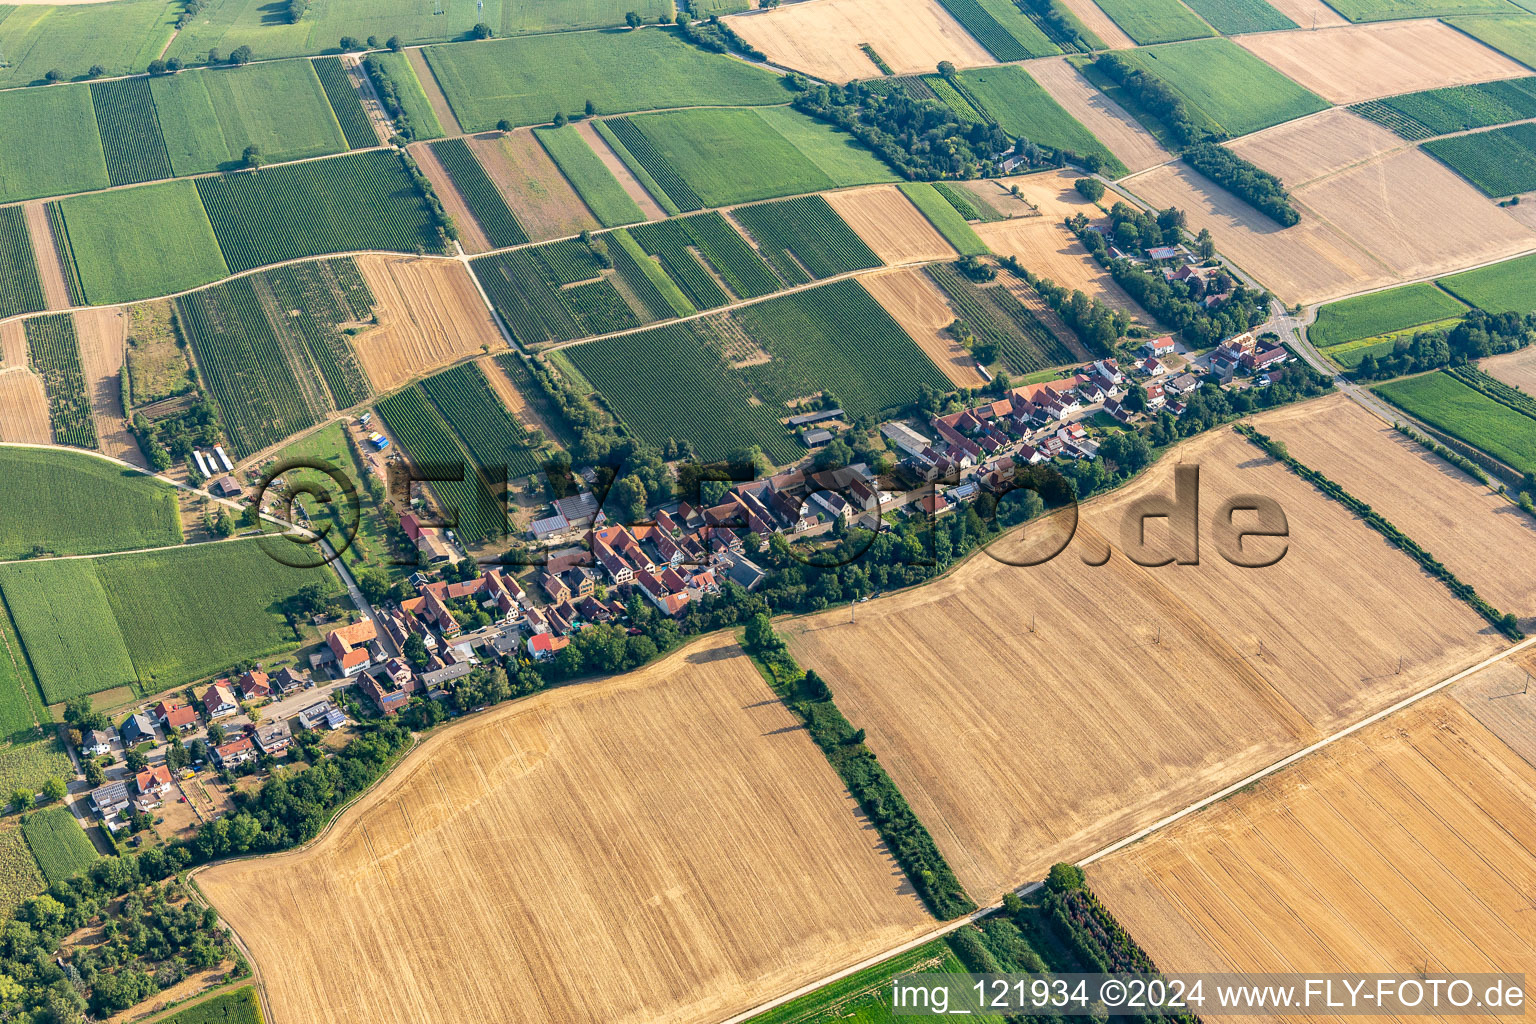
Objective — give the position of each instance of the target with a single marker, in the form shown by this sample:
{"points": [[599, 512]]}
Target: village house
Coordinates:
{"points": [[139, 728], [387, 694], [255, 685], [428, 541], [543, 646], [110, 798], [96, 742], [349, 647], [273, 739], [175, 717], [1158, 348], [237, 751], [219, 702], [288, 682], [324, 713], [152, 784]]}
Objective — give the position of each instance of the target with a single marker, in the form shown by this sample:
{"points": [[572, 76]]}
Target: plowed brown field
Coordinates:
{"points": [[1032, 715], [1479, 535], [918, 305], [1365, 62], [1517, 368], [430, 314], [1309, 14], [890, 224], [544, 202], [823, 38], [23, 407], [1408, 847], [667, 846], [1105, 118]]}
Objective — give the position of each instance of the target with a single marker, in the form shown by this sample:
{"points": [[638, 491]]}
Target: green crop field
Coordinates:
{"points": [[1380, 313], [61, 847], [210, 117], [670, 241], [1155, 21], [54, 354], [189, 612], [529, 80], [996, 317], [485, 202], [1228, 90], [1511, 34], [429, 441], [486, 429], [1024, 110], [1446, 403], [67, 503], [307, 304], [806, 232], [130, 131], [1508, 287], [1501, 162], [137, 243], [1234, 17], [945, 219], [20, 878], [658, 295], [721, 246], [49, 145], [1393, 10], [527, 287], [665, 383], [30, 753], [397, 68], [1001, 28], [21, 290], [345, 103], [238, 1007], [590, 177], [1423, 115], [65, 621], [122, 37], [351, 203]]}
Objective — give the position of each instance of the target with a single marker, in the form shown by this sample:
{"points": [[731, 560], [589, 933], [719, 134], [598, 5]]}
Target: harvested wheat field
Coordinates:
{"points": [[620, 171], [1410, 846], [1503, 697], [1310, 262], [1514, 368], [1302, 151], [1309, 14], [49, 270], [23, 407], [1102, 116], [13, 343], [918, 305], [823, 38], [891, 225], [1046, 247], [1479, 535], [533, 186], [471, 235], [103, 335], [1054, 194], [1366, 62], [1032, 715], [674, 832], [430, 314], [1100, 24]]}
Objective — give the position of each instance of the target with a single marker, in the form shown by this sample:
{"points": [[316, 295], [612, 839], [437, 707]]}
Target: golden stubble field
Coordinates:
{"points": [[1032, 715], [824, 38], [916, 303], [1503, 697], [1121, 132], [430, 314], [1363, 62], [471, 236], [890, 225], [103, 339], [667, 846], [1515, 368], [1409, 846], [1479, 535], [545, 203], [23, 399]]}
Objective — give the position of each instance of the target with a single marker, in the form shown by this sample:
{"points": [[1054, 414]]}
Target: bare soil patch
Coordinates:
{"points": [[920, 308], [533, 186], [891, 225], [435, 97], [512, 397], [471, 235], [1309, 14], [1121, 132], [23, 407], [1515, 368], [674, 832], [1406, 847], [1100, 24], [1302, 151], [621, 172], [1154, 686], [103, 335], [1050, 250], [1365, 62], [49, 269], [430, 314], [823, 38], [1479, 535]]}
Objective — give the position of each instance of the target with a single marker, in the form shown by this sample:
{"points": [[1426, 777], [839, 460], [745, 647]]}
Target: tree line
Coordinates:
{"points": [[1244, 179]]}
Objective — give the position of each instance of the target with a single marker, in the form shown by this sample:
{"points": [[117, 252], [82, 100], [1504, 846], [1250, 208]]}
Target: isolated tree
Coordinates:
{"points": [[947, 68], [215, 57], [393, 42], [632, 20], [94, 776], [561, 120], [21, 800], [96, 71], [416, 652], [215, 733], [349, 43], [136, 761], [481, 31], [591, 108], [1091, 189], [79, 713], [55, 789], [296, 9], [241, 55], [54, 75], [1205, 245], [252, 157], [373, 42], [503, 125], [223, 525], [174, 65], [175, 754]]}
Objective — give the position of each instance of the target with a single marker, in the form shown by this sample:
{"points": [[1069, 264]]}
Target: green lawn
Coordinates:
{"points": [[1443, 401], [1155, 21], [1024, 110], [122, 37], [1512, 34], [1227, 88], [70, 504], [48, 143], [1501, 162], [1508, 287], [67, 627], [1233, 17], [369, 548], [138, 243], [1382, 313], [1393, 10], [527, 80], [210, 117], [61, 847], [589, 176], [839, 155], [945, 218]]}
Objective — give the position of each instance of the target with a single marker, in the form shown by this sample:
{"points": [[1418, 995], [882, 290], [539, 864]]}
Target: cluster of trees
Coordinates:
{"points": [[190, 9], [390, 96], [1479, 334], [174, 436], [713, 35], [1244, 179], [1154, 96], [1097, 325], [447, 230]]}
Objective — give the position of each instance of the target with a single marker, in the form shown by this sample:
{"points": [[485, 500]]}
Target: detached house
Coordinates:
{"points": [[96, 741], [175, 717], [219, 702], [236, 751], [153, 783], [349, 645]]}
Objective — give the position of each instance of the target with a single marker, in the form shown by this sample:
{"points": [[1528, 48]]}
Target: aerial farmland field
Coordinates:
{"points": [[122, 38], [1024, 110], [1511, 34], [544, 201], [66, 625], [21, 290], [596, 185], [429, 314], [715, 789], [59, 844], [80, 505], [50, 144], [1232, 17], [1446, 403], [1501, 162], [1154, 21], [1507, 287], [1382, 313]]}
